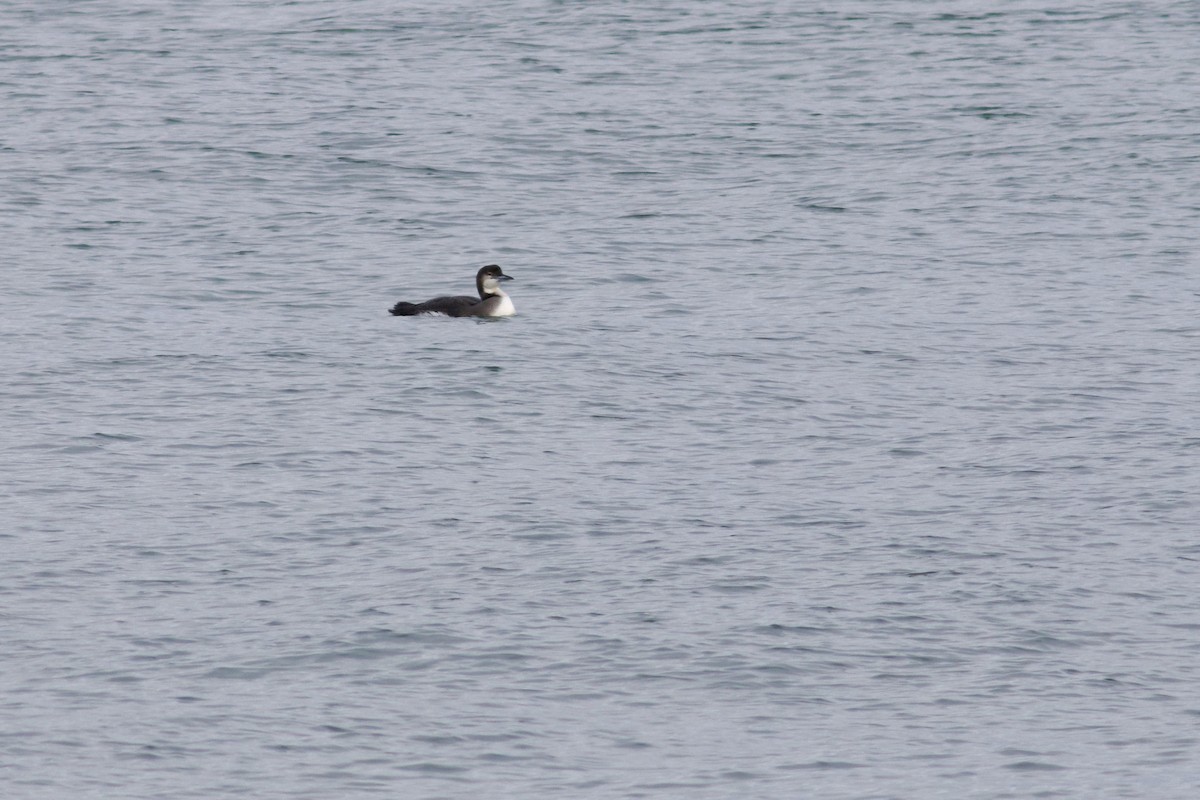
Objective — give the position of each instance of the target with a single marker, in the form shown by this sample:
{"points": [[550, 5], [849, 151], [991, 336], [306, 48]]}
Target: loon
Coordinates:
{"points": [[492, 301]]}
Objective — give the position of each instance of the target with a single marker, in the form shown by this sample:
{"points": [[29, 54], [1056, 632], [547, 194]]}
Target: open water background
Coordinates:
{"points": [[845, 444]]}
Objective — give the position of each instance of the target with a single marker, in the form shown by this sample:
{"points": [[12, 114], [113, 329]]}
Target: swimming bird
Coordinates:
{"points": [[492, 301]]}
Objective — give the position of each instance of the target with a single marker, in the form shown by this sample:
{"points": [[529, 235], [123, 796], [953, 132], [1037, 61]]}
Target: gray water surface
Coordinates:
{"points": [[844, 445]]}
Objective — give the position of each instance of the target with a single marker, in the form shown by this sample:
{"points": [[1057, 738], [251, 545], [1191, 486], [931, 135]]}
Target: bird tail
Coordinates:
{"points": [[403, 309]]}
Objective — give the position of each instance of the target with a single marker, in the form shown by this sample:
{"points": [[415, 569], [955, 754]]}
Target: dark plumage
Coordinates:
{"points": [[492, 301]]}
